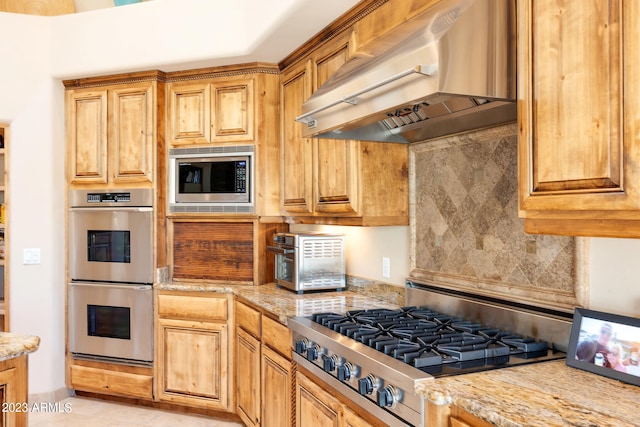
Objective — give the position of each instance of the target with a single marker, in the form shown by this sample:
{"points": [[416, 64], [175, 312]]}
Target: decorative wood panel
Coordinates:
{"points": [[213, 251]]}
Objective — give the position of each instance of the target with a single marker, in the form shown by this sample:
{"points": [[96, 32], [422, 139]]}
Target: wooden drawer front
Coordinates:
{"points": [[111, 382], [277, 336], [248, 319], [213, 251], [190, 307]]}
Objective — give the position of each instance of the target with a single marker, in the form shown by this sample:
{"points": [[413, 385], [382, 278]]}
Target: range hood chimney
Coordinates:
{"points": [[456, 74]]}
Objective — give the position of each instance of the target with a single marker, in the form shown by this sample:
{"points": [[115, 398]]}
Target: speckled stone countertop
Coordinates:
{"points": [[14, 345], [540, 394], [284, 303]]}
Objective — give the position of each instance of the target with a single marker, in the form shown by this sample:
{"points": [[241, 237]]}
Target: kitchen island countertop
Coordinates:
{"points": [[15, 345]]}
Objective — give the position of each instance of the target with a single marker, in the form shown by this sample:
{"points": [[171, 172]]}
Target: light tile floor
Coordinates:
{"points": [[84, 412]]}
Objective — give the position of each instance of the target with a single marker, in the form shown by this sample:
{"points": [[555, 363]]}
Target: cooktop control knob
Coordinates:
{"points": [[329, 362], [302, 345], [313, 352], [346, 371], [367, 384], [388, 396]]}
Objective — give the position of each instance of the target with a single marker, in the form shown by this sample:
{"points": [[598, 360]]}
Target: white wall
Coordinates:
{"points": [[366, 246]]}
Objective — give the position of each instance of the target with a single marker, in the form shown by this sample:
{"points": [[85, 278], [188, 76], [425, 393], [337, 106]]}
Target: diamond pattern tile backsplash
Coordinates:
{"points": [[466, 228]]}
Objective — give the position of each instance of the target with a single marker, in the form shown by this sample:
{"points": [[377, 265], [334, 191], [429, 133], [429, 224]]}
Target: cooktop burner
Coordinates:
{"points": [[432, 341]]}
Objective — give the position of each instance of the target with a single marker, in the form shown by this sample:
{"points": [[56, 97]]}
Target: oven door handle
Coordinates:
{"points": [[112, 208], [279, 250], [111, 285]]}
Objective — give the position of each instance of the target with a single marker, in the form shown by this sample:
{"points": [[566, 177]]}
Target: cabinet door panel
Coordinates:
{"points": [[132, 134], [87, 135], [296, 155], [195, 363], [248, 378], [277, 389], [189, 117], [315, 407], [336, 160], [572, 124], [232, 115]]}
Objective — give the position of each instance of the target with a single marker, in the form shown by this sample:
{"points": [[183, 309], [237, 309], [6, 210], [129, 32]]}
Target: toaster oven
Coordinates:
{"points": [[309, 261]]}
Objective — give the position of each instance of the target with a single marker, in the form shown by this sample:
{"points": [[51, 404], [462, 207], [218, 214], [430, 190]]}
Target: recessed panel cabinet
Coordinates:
{"points": [[111, 134], [265, 373], [193, 351], [579, 117], [336, 181], [208, 112]]}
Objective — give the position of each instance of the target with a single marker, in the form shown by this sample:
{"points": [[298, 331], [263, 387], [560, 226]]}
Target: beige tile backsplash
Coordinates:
{"points": [[466, 232]]}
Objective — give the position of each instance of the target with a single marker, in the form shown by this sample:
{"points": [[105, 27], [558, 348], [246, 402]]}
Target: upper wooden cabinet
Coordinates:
{"points": [[579, 117], [111, 130], [336, 181], [221, 108], [211, 111]]}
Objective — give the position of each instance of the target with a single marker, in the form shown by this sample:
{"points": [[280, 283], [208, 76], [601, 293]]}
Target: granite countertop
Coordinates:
{"points": [[284, 303], [14, 345], [539, 394]]}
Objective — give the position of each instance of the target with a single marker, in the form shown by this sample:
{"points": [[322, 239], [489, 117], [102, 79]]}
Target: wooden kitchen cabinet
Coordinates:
{"points": [[113, 379], [112, 130], [265, 372], [13, 392], [579, 117], [224, 250], [223, 110], [220, 110], [194, 350], [316, 406], [336, 181]]}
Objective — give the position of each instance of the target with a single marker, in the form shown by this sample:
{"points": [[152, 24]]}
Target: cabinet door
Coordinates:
{"points": [[351, 419], [314, 406], [296, 152], [132, 132], [248, 378], [189, 113], [578, 108], [232, 115], [277, 389], [195, 364], [86, 124], [336, 161]]}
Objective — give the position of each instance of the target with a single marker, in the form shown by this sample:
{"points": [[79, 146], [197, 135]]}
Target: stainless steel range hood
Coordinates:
{"points": [[457, 73]]}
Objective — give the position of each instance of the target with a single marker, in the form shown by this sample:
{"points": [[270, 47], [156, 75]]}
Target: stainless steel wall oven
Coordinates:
{"points": [[110, 297]]}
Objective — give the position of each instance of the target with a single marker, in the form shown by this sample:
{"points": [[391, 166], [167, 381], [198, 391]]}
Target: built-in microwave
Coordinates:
{"points": [[217, 177]]}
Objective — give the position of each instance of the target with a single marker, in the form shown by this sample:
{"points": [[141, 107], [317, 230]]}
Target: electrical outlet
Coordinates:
{"points": [[386, 267]]}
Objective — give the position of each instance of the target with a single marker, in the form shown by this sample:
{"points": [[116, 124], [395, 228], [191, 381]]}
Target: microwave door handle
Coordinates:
{"points": [[280, 250]]}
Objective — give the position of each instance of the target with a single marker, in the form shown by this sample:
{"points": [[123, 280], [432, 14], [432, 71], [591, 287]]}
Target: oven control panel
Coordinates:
{"points": [[367, 384]]}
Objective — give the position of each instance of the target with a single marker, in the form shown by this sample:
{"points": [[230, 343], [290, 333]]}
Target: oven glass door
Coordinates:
{"points": [[111, 320], [111, 244], [285, 269]]}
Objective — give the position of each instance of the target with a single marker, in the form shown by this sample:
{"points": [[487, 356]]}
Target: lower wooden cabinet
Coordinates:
{"points": [[111, 378], [315, 406], [13, 392], [265, 373], [193, 349]]}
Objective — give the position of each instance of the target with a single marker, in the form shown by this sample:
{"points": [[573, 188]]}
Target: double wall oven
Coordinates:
{"points": [[111, 268]]}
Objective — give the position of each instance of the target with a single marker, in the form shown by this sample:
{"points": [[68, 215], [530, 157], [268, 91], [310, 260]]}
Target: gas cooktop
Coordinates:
{"points": [[437, 343]]}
